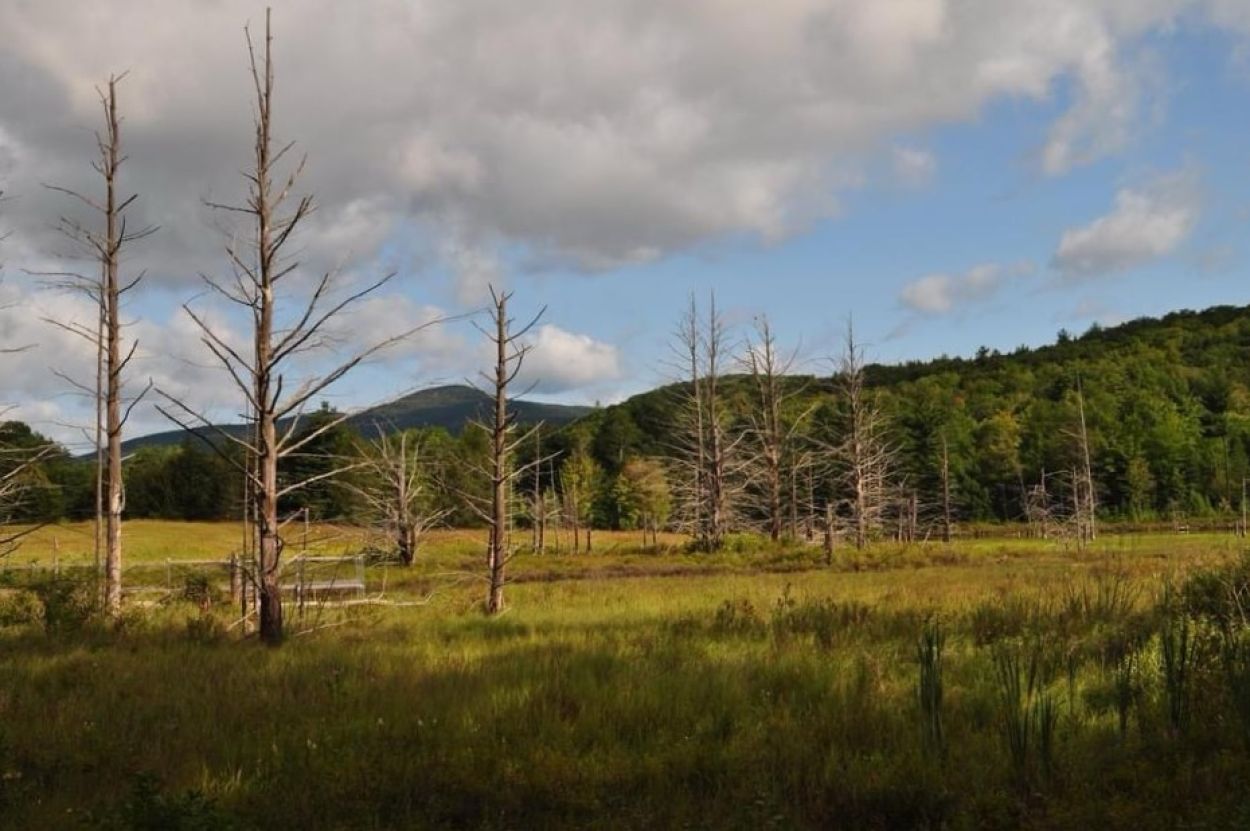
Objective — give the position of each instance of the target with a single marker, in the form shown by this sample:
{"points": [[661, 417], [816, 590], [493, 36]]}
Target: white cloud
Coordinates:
{"points": [[590, 134], [1145, 223], [939, 294], [914, 167], [40, 381], [561, 361]]}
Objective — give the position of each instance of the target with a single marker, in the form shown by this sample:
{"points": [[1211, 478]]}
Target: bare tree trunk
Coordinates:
{"points": [[810, 524], [1090, 498], [716, 439], [1077, 509], [276, 341], [101, 450], [946, 492], [496, 553], [106, 247], [864, 455], [510, 354], [794, 504], [115, 499], [829, 534]]}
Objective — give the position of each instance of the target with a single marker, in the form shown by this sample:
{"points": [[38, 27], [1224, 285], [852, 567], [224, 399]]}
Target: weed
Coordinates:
{"points": [[1176, 657], [929, 654]]}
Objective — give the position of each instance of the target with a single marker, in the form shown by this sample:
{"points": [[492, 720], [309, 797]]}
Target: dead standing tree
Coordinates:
{"points": [[1087, 512], [774, 434], [510, 350], [105, 245], [709, 488], [394, 491], [260, 268], [864, 457], [17, 464]]}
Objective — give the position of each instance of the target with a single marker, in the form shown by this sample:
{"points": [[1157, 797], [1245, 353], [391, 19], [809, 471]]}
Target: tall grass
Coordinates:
{"points": [[929, 653], [723, 698]]}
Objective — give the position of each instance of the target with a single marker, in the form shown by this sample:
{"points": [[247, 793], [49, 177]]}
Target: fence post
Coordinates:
{"points": [[300, 586], [234, 577]]}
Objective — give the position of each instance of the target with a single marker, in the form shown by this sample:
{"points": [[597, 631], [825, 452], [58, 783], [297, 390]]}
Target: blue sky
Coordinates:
{"points": [[986, 202], [952, 173]]}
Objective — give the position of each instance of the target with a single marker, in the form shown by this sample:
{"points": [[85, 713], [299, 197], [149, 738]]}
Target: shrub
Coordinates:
{"points": [[68, 603], [737, 617], [19, 608], [1218, 594], [205, 628], [147, 808], [821, 619]]}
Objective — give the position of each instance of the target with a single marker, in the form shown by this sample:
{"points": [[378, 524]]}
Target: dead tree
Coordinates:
{"points": [[394, 491], [774, 433], [105, 243], [538, 501], [1089, 506], [1039, 509], [274, 395], [510, 349], [947, 521], [864, 456], [710, 486], [15, 482]]}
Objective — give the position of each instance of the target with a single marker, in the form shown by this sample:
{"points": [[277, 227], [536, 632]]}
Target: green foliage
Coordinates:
{"points": [[327, 448], [641, 496], [68, 603], [1028, 712], [1176, 666], [148, 808], [1167, 402], [652, 702], [20, 607]]}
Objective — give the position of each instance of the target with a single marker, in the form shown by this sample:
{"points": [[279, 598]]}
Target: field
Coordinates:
{"points": [[992, 683]]}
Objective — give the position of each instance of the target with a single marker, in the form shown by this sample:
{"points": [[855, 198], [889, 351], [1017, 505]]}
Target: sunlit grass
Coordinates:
{"points": [[753, 688]]}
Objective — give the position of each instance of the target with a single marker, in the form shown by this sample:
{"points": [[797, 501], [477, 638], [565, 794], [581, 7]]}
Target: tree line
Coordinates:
{"points": [[1167, 404]]}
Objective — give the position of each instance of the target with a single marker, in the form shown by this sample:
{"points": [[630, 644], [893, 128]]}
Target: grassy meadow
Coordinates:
{"points": [[991, 683]]}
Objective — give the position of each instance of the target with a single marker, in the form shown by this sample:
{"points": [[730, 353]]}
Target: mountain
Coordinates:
{"points": [[450, 407]]}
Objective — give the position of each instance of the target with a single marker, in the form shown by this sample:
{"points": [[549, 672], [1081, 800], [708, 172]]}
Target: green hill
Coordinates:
{"points": [[1167, 402], [450, 407]]}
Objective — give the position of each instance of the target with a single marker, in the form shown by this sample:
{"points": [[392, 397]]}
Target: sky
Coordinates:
{"points": [[949, 174]]}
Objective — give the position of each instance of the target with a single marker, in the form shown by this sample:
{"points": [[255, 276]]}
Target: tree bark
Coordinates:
{"points": [[114, 497], [499, 460], [946, 493]]}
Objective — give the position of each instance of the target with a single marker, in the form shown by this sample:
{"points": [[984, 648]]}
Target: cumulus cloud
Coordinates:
{"points": [[583, 135], [561, 361], [45, 382], [589, 134], [1145, 223], [939, 294]]}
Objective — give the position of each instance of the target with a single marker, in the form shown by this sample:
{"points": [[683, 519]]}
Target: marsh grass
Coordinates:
{"points": [[718, 694]]}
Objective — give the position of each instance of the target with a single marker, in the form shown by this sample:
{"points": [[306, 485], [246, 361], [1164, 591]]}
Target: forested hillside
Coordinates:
{"points": [[1167, 404], [1167, 407]]}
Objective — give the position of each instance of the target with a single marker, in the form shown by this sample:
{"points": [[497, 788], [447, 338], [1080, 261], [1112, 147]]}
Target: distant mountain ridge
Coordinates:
{"points": [[450, 406]]}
